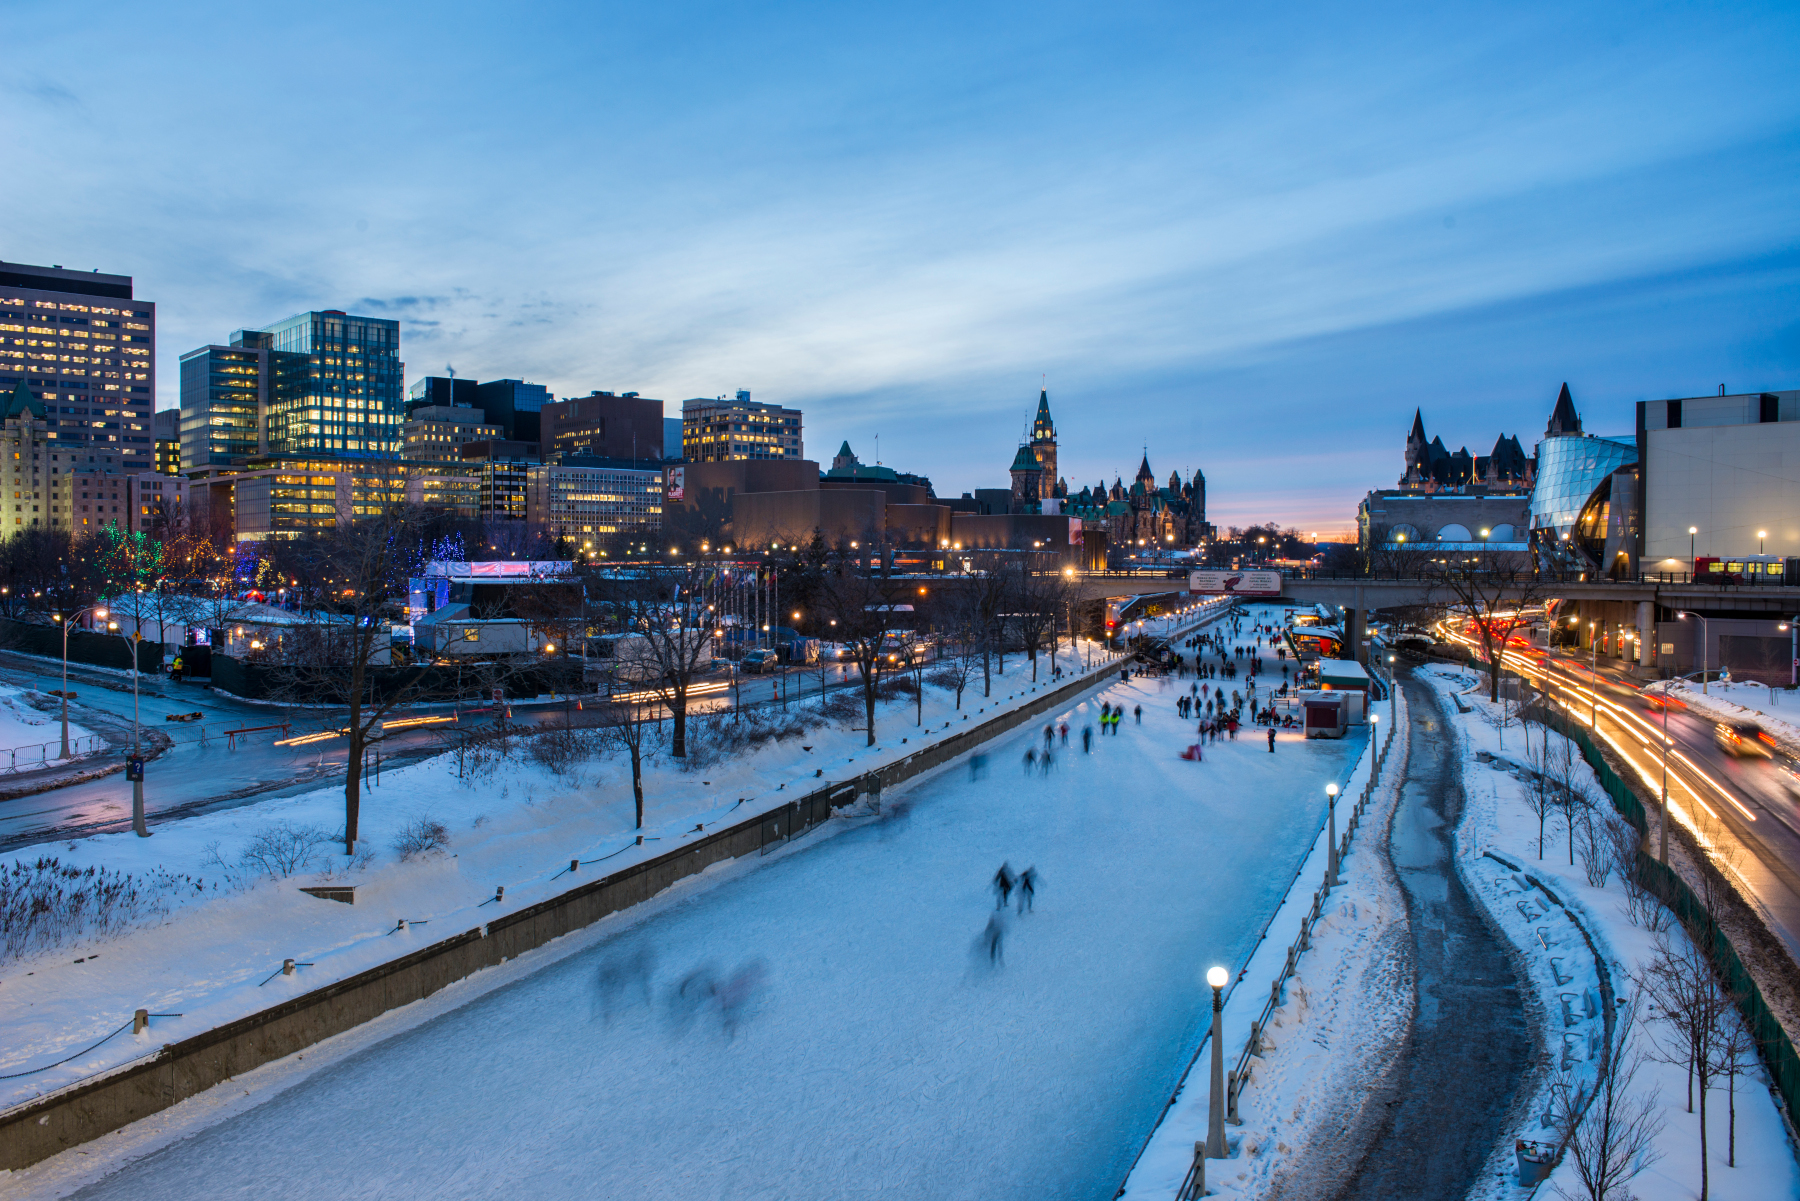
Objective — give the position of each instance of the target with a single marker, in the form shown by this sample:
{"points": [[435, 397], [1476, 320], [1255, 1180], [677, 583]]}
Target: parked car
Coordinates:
{"points": [[759, 660], [1745, 739]]}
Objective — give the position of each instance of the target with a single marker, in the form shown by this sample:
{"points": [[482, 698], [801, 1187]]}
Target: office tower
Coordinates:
{"points": [[437, 433], [596, 506], [738, 428], [514, 406], [166, 429], [225, 400], [604, 425], [335, 385], [441, 391], [87, 350], [672, 438]]}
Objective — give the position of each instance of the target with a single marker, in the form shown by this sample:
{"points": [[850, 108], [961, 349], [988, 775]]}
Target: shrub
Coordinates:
{"points": [[423, 837], [561, 750], [47, 903], [283, 849]]}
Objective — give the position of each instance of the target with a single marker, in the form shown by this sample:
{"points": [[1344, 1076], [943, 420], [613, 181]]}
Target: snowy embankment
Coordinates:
{"points": [[1737, 702], [234, 911], [26, 730], [1544, 905], [1339, 1013]]}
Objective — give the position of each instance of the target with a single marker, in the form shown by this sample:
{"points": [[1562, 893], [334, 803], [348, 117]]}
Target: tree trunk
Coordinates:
{"points": [[1703, 1175], [987, 681], [869, 704], [678, 723], [637, 779], [353, 769]]}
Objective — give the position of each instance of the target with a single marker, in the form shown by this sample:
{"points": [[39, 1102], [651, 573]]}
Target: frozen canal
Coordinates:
{"points": [[881, 1055]]}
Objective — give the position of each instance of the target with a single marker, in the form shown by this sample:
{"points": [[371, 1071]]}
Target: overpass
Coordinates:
{"points": [[1358, 595]]}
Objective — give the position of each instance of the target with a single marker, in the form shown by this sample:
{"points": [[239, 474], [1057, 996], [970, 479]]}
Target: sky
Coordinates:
{"points": [[1248, 240]]}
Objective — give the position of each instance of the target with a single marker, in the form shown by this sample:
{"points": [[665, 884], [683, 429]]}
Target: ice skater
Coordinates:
{"points": [[1137, 711], [1087, 740], [1271, 740], [995, 936], [1030, 759], [977, 767], [1027, 888], [1003, 886]]}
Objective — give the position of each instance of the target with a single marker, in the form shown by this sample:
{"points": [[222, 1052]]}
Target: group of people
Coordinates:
{"points": [[1005, 884]]}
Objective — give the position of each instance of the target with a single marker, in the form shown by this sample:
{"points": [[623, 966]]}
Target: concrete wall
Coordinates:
{"points": [[842, 515], [39, 1129], [922, 524], [1016, 531], [1729, 481]]}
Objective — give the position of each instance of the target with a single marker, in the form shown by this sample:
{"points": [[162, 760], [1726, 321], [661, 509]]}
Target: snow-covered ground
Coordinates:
{"points": [[883, 1051], [25, 729], [1561, 969]]}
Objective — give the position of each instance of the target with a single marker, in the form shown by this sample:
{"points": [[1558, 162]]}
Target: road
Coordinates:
{"points": [[1747, 811]]}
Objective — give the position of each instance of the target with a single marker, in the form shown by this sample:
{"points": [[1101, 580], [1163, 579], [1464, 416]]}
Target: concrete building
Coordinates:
{"points": [[30, 464], [1729, 467], [605, 426], [672, 439], [724, 429], [95, 496], [597, 506], [438, 433], [443, 392], [86, 347]]}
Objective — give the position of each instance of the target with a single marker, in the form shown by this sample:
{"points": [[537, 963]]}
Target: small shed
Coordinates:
{"points": [[1343, 674]]}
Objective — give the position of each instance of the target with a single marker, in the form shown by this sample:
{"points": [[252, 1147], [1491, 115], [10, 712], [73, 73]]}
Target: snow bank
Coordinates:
{"points": [[1737, 702], [24, 729], [1499, 833]]}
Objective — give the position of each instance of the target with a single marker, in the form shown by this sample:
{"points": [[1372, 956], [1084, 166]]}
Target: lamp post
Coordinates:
{"points": [[1704, 630], [99, 612], [1662, 834], [1393, 691], [1331, 862], [1215, 1112], [136, 766], [1593, 682], [1760, 535], [1692, 530]]}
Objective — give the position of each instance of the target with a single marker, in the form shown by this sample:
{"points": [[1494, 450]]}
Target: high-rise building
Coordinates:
{"points": [[723, 429], [514, 406], [87, 350], [437, 433], [605, 425], [224, 402], [441, 391], [672, 438], [166, 428], [336, 388]]}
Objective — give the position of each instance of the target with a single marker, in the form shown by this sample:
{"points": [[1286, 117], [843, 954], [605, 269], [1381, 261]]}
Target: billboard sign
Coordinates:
{"points": [[1235, 583], [675, 483]]}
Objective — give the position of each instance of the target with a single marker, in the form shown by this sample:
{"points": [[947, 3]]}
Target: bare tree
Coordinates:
{"points": [[1539, 791], [959, 641], [1036, 596], [1733, 1054], [1690, 1011], [1608, 1129], [626, 724], [862, 605], [1491, 590], [666, 611]]}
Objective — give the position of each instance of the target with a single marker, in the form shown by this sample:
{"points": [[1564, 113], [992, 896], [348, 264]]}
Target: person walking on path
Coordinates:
{"points": [[1003, 886], [1027, 888]]}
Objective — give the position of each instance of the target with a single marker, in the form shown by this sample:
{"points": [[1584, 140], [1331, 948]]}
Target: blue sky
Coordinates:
{"points": [[1249, 239]]}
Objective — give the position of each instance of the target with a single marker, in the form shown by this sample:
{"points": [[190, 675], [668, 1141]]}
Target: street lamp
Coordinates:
{"points": [[1692, 530], [1215, 1114], [1704, 638], [1593, 683], [97, 611], [1760, 535], [1331, 862]]}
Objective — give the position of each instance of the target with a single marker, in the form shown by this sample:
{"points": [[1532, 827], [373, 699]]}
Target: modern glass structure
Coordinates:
{"points": [[223, 389], [338, 392], [1569, 468]]}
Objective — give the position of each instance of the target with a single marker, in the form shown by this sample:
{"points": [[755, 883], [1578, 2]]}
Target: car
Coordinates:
{"points": [[760, 660], [1744, 739], [1656, 702]]}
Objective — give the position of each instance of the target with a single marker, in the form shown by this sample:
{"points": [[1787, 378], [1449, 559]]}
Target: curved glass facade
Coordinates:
{"points": [[1569, 468]]}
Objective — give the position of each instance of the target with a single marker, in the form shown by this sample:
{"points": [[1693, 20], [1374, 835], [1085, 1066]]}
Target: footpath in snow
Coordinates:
{"points": [[1533, 899], [844, 1029]]}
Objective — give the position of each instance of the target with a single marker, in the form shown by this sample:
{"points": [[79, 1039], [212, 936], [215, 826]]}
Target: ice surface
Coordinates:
{"points": [[882, 1054]]}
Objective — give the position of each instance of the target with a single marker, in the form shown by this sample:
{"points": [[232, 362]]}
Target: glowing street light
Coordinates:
{"points": [[1216, 976]]}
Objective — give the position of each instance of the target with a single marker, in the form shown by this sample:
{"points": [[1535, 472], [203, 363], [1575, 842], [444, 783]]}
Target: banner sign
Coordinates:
{"points": [[1235, 583], [675, 483]]}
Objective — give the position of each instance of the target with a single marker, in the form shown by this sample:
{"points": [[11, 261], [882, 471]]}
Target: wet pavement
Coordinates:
{"points": [[1470, 1046]]}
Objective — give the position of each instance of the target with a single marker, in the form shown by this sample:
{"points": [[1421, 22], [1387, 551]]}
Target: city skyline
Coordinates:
{"points": [[1253, 244]]}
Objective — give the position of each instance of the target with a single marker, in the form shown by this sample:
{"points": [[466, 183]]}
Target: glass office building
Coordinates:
{"points": [[337, 388], [222, 393], [1569, 468]]}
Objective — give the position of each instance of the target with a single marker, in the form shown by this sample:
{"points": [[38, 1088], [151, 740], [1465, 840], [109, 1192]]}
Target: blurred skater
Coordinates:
{"points": [[1003, 886], [994, 936], [1027, 888]]}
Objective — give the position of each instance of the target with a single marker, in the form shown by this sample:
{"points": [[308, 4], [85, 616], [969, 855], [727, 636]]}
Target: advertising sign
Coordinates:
{"points": [[1235, 583], [675, 483]]}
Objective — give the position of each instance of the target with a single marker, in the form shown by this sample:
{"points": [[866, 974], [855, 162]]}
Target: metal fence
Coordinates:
{"points": [[1772, 1042], [37, 755]]}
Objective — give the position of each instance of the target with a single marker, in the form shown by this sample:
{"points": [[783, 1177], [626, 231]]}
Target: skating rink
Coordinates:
{"points": [[882, 1054]]}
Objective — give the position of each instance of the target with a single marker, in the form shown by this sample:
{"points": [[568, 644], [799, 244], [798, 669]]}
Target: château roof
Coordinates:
{"points": [[23, 403], [1024, 460]]}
